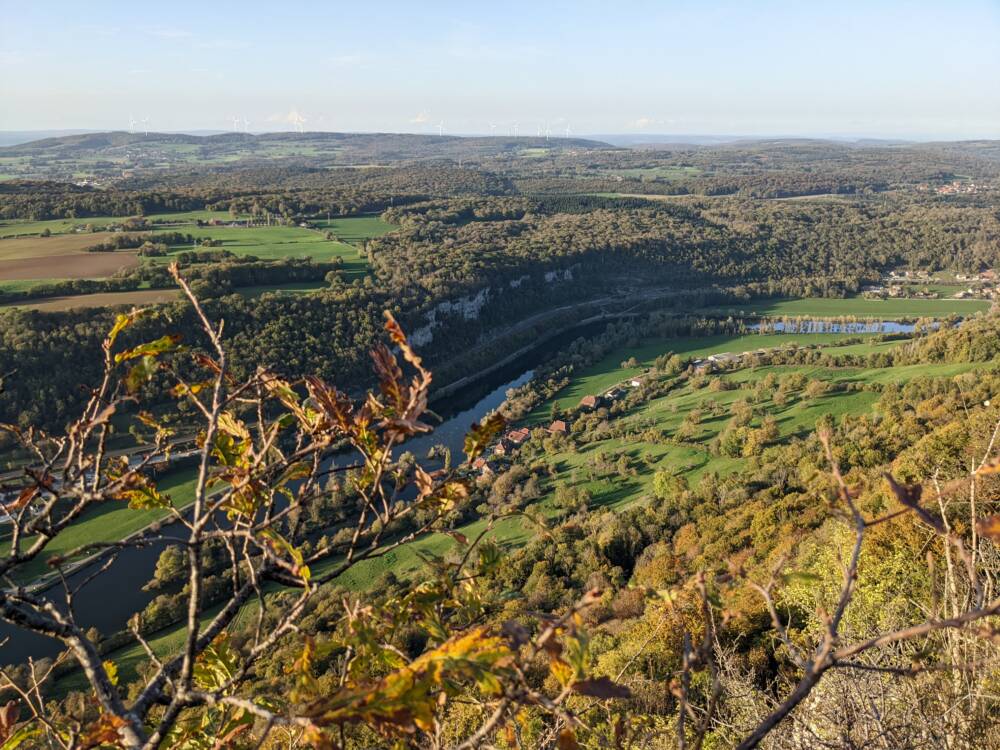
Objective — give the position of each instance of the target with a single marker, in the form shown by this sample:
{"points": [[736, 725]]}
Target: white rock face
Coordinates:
{"points": [[470, 306], [515, 283]]}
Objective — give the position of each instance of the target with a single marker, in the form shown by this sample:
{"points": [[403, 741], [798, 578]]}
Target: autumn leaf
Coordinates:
{"points": [[102, 732], [142, 494], [481, 434]]}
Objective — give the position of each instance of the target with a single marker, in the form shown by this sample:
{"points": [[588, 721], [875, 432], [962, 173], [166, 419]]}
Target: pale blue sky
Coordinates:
{"points": [[809, 67]]}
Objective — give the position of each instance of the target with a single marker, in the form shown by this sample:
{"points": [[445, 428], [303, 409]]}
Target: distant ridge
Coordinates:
{"points": [[112, 139]]}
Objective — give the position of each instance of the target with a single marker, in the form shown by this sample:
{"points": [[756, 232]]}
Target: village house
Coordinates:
{"points": [[589, 402], [503, 448], [723, 358], [519, 436], [635, 382], [484, 467], [558, 427]]}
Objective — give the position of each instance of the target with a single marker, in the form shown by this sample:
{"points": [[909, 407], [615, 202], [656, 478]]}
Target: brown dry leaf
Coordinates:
{"points": [[601, 687], [102, 732], [567, 740], [990, 467], [909, 495], [989, 527]]}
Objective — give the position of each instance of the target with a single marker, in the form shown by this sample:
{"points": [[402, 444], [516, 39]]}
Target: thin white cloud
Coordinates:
{"points": [[421, 118], [351, 60], [223, 44], [12, 57], [167, 32], [643, 122], [96, 29]]}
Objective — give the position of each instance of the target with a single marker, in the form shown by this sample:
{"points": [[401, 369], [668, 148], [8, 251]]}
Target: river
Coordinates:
{"points": [[117, 593], [113, 597]]}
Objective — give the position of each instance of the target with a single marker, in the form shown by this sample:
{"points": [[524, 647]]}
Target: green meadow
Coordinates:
{"points": [[692, 459], [108, 523], [600, 376]]}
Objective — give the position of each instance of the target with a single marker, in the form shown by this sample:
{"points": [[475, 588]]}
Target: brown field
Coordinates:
{"points": [[58, 244], [79, 266], [101, 299]]}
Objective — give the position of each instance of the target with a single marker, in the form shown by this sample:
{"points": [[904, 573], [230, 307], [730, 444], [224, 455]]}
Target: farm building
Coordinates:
{"points": [[589, 402]]}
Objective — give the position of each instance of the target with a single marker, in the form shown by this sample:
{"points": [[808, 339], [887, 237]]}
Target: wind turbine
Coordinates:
{"points": [[131, 124], [246, 125], [548, 131], [145, 126], [236, 123], [493, 129], [299, 122], [515, 129], [567, 130], [441, 128]]}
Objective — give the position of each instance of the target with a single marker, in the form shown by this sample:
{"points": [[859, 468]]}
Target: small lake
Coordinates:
{"points": [[826, 326]]}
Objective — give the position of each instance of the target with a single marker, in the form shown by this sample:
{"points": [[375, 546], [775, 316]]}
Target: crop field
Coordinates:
{"points": [[889, 309], [29, 259], [138, 298], [33, 247], [68, 266]]}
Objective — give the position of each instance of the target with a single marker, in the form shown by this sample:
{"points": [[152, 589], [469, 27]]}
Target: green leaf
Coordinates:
{"points": [[168, 343]]}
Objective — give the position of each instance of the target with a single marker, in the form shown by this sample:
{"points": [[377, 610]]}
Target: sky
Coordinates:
{"points": [[866, 68]]}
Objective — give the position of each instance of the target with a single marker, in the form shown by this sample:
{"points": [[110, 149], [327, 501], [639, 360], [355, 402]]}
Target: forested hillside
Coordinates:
{"points": [[465, 443]]}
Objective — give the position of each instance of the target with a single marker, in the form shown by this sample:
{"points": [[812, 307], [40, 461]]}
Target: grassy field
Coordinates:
{"points": [[108, 523], [17, 227], [356, 229], [655, 173], [300, 287], [275, 243], [22, 285], [600, 376], [29, 260], [889, 309], [796, 417]]}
